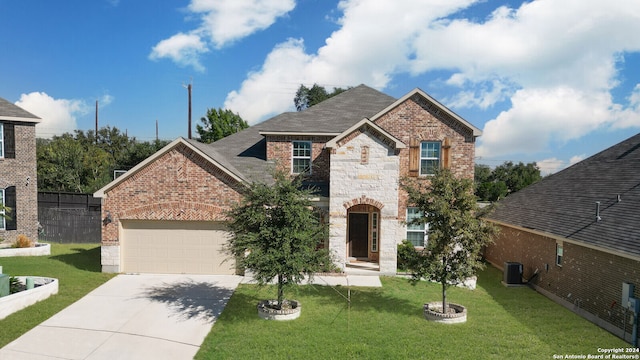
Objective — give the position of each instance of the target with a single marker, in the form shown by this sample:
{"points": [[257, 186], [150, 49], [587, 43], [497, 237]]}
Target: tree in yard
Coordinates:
{"points": [[276, 233], [456, 232], [307, 97], [492, 185], [218, 124]]}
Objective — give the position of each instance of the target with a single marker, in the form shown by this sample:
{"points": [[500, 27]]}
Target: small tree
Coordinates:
{"points": [[276, 233], [456, 233]]}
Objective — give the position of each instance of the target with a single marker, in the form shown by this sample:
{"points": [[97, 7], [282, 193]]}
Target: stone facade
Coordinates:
{"points": [[178, 185], [21, 172], [589, 281], [373, 182]]}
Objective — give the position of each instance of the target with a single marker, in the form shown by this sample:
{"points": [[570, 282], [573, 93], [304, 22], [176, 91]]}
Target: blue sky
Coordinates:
{"points": [[547, 81]]}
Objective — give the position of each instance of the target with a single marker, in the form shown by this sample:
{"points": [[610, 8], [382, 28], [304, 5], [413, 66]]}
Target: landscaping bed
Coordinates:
{"points": [[77, 268], [43, 288], [40, 249]]}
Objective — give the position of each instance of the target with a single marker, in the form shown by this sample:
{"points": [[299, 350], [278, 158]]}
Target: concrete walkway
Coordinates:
{"points": [[141, 317]]}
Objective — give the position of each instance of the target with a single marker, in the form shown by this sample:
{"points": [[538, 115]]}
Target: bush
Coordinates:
{"points": [[407, 255], [15, 285], [23, 242]]}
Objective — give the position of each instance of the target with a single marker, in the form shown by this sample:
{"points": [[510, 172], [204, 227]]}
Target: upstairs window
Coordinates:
{"points": [[2, 145], [7, 141], [429, 157], [301, 157], [416, 233]]}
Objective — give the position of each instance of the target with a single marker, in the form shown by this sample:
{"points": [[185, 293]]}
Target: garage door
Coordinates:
{"points": [[175, 247]]}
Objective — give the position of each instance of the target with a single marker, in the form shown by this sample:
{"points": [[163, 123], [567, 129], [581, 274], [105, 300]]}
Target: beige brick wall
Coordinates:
{"points": [[14, 172], [179, 185], [588, 278]]}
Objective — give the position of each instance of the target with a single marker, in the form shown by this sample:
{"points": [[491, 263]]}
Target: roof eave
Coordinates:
{"points": [[34, 120], [334, 142]]}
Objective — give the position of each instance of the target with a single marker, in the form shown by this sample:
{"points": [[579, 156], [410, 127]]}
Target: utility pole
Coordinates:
{"points": [[189, 120], [96, 134], [156, 130], [189, 90]]}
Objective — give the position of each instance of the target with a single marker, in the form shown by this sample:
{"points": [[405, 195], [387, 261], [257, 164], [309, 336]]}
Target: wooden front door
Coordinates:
{"points": [[359, 235]]}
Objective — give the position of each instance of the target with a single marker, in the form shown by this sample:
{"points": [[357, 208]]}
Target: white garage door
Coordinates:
{"points": [[175, 247]]}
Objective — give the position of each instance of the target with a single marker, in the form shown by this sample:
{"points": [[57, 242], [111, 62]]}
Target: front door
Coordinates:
{"points": [[359, 235]]}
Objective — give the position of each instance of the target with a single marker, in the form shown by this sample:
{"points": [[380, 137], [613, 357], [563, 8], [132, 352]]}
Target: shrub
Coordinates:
{"points": [[15, 285], [407, 255], [23, 242]]}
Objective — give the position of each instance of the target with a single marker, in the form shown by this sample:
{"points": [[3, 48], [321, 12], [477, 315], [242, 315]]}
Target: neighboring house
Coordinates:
{"points": [[167, 213], [579, 230], [18, 172]]}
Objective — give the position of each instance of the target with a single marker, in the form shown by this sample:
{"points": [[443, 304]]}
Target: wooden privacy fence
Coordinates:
{"points": [[69, 218]]}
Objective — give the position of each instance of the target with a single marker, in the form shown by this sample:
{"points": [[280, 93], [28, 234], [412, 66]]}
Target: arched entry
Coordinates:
{"points": [[363, 232]]}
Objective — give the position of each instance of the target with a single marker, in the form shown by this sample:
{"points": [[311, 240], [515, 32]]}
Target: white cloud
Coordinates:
{"points": [[555, 64], [225, 21], [222, 22], [183, 49], [553, 165], [58, 115]]}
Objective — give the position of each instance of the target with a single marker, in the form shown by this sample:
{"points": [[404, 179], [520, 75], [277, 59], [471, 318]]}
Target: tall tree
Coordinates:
{"points": [[218, 124], [276, 233], [492, 185], [456, 232], [80, 162], [307, 97]]}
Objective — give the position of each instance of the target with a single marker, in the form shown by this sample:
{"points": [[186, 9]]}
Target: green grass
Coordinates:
{"points": [[387, 323], [77, 268]]}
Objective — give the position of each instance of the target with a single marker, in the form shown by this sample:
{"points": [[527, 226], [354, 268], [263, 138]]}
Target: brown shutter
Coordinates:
{"points": [[414, 157], [446, 153]]}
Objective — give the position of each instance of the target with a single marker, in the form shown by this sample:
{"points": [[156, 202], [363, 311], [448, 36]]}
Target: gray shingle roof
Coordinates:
{"points": [[564, 204], [246, 150], [14, 112]]}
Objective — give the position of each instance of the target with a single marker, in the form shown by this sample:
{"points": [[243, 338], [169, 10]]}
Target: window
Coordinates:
{"points": [[429, 157], [2, 143], [559, 253], [416, 233], [301, 157], [2, 211], [374, 232]]}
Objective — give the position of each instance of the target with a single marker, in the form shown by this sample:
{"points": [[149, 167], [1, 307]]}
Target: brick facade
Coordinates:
{"points": [[179, 185], [21, 172], [280, 149], [590, 280], [417, 119]]}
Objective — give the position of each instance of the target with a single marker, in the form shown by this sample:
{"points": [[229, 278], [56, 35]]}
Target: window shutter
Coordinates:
{"points": [[414, 157], [9, 141], [10, 201], [446, 153]]}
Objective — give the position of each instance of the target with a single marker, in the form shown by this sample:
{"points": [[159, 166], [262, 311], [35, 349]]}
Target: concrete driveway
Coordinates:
{"points": [[131, 317]]}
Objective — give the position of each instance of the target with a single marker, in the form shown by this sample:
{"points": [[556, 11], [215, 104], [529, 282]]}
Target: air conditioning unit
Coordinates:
{"points": [[512, 273]]}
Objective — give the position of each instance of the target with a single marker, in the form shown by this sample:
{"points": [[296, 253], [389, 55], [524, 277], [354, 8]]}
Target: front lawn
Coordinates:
{"points": [[76, 266], [387, 323]]}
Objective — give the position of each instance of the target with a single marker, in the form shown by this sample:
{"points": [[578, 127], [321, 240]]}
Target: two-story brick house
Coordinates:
{"points": [[167, 213], [18, 172]]}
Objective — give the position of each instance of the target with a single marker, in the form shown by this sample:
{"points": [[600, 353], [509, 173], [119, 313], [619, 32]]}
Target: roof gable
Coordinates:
{"points": [[564, 204], [436, 108], [207, 153], [366, 125], [11, 112]]}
